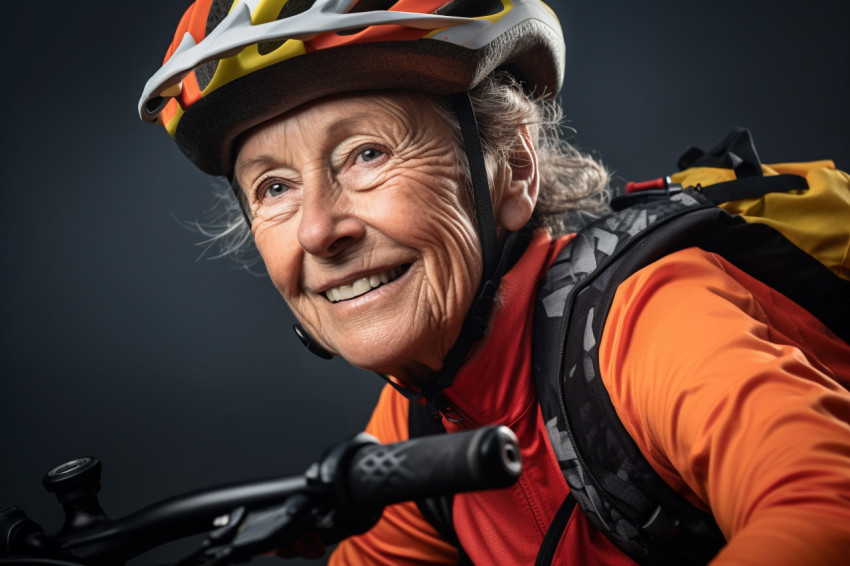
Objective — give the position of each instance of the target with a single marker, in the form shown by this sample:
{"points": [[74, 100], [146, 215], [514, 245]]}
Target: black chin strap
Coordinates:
{"points": [[497, 260], [462, 105]]}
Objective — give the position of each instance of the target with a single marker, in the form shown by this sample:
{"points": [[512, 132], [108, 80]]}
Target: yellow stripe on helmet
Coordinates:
{"points": [[250, 60]]}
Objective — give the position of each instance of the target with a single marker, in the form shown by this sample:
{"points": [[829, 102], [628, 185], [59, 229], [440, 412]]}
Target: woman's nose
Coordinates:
{"points": [[327, 225]]}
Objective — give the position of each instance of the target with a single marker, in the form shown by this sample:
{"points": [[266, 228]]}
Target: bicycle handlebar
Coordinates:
{"points": [[385, 474], [341, 495]]}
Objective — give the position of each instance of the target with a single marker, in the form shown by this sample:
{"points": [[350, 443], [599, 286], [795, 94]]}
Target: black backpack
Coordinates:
{"points": [[612, 482]]}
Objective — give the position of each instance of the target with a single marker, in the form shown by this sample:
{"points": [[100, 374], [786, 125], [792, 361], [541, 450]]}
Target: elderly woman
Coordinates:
{"points": [[403, 181]]}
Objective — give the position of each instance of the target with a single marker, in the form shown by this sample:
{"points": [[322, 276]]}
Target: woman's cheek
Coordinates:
{"points": [[279, 250], [277, 211], [429, 205]]}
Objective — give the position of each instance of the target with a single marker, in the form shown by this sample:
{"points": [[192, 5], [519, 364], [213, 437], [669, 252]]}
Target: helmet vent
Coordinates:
{"points": [[471, 8], [291, 8], [369, 5], [218, 11]]}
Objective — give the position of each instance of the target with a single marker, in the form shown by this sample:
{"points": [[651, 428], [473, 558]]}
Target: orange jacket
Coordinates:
{"points": [[728, 388]]}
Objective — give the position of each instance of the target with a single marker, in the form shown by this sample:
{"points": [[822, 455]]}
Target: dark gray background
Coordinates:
{"points": [[178, 372]]}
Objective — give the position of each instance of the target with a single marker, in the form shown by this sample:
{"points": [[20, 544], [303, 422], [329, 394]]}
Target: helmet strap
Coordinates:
{"points": [[241, 199], [462, 105], [497, 260]]}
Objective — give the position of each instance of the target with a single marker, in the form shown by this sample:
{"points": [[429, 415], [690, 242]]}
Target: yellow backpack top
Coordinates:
{"points": [[814, 217]]}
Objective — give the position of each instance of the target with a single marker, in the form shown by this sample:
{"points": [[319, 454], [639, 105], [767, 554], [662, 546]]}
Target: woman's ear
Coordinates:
{"points": [[520, 188]]}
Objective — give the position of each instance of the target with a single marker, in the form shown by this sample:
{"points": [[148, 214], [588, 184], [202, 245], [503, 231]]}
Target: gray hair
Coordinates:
{"points": [[574, 187]]}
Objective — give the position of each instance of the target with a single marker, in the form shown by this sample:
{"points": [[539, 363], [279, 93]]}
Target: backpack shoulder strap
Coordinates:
{"points": [[614, 485]]}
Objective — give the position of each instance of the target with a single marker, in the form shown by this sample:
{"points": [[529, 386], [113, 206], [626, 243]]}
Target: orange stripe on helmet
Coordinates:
{"points": [[194, 21], [198, 20], [182, 26], [191, 92], [169, 111], [421, 6], [379, 33]]}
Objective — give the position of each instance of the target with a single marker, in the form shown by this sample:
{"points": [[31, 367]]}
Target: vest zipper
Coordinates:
{"points": [[440, 406]]}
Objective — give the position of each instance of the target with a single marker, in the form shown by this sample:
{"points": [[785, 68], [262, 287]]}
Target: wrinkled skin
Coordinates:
{"points": [[353, 186]]}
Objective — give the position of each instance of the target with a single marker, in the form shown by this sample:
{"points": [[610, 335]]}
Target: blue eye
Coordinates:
{"points": [[277, 189], [370, 154], [273, 190]]}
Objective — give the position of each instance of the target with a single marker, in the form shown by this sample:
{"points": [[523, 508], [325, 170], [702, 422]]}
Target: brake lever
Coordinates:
{"points": [[322, 507], [258, 532], [219, 538]]}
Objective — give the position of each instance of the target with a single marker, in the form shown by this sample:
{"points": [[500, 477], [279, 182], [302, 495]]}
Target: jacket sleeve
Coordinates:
{"points": [[732, 392], [402, 536]]}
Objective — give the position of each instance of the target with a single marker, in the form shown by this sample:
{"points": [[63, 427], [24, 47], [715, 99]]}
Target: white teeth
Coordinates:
{"points": [[345, 292], [361, 286]]}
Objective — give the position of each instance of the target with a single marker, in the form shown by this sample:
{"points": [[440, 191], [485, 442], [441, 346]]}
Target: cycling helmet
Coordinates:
{"points": [[235, 64]]}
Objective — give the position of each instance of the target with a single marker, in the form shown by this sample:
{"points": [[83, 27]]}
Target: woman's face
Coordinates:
{"points": [[361, 219]]}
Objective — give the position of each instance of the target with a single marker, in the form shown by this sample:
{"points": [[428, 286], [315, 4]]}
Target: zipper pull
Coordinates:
{"points": [[439, 407], [447, 410], [433, 411]]}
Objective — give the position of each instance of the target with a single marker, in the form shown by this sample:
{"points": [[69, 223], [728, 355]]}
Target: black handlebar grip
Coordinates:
{"points": [[432, 466]]}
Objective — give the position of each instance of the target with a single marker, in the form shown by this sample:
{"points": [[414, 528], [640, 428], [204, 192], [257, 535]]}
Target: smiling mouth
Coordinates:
{"points": [[364, 284]]}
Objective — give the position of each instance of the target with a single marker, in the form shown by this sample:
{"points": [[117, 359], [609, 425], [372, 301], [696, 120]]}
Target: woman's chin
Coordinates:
{"points": [[392, 360]]}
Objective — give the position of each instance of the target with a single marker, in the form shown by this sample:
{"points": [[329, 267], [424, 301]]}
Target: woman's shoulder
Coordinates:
{"points": [[389, 420], [693, 345]]}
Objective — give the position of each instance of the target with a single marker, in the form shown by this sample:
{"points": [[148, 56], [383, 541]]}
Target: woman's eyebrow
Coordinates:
{"points": [[264, 161], [356, 120], [346, 123]]}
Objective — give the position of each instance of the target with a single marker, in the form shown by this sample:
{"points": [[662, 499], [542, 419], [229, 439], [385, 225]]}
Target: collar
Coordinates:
{"points": [[495, 385]]}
